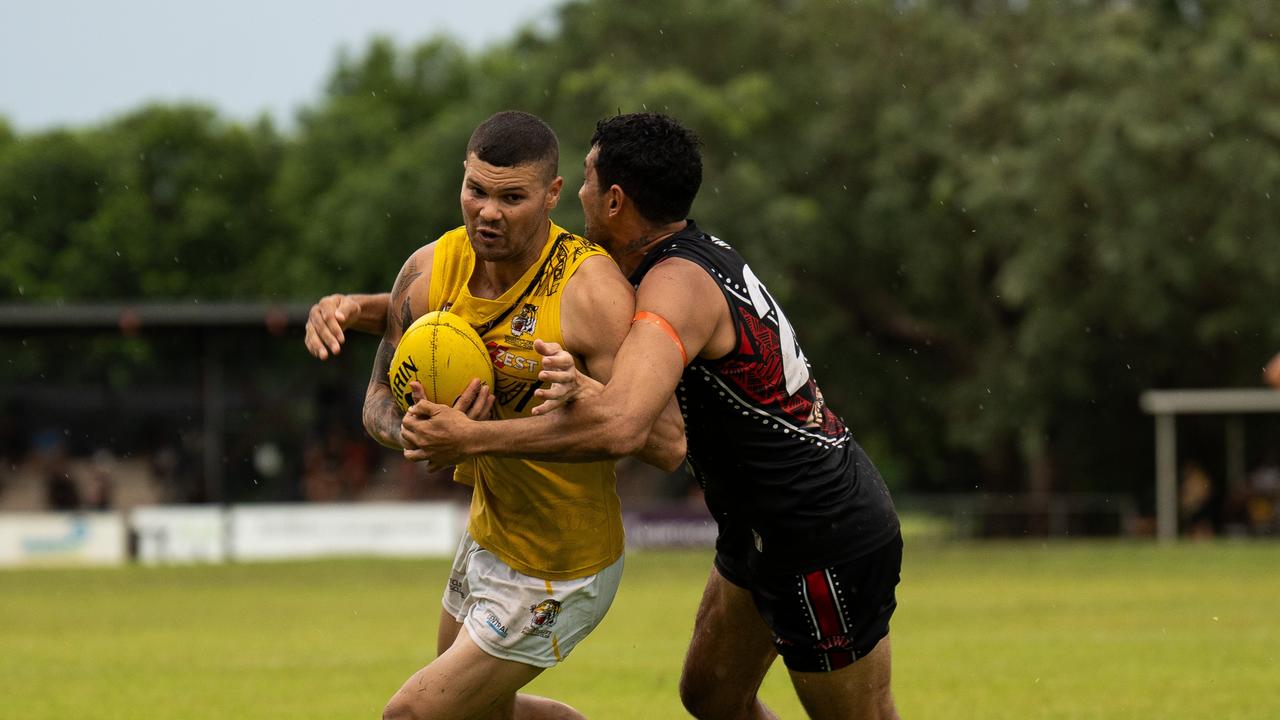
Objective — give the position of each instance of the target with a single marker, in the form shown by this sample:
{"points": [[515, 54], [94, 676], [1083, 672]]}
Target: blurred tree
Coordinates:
{"points": [[186, 214], [49, 187], [373, 172], [164, 203], [993, 222]]}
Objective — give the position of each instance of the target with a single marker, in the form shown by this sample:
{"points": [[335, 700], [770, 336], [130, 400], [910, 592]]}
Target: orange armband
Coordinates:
{"points": [[661, 322]]}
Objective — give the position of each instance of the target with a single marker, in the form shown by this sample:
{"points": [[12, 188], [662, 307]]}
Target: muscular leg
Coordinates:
{"points": [[730, 653], [447, 632], [859, 691], [464, 682], [526, 707], [533, 707]]}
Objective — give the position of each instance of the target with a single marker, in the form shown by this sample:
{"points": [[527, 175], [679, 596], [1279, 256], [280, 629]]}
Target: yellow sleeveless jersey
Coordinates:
{"points": [[551, 520]]}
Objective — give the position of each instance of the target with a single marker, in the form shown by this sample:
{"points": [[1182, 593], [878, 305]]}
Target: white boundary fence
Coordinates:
{"points": [[213, 533], [185, 534], [97, 538]]}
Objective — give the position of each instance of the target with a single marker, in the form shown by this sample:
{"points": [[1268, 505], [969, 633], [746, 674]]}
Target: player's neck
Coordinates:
{"points": [[491, 278], [646, 239]]}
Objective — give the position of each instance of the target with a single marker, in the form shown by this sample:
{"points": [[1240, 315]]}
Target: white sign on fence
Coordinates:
{"points": [[96, 538], [180, 533], [268, 532]]}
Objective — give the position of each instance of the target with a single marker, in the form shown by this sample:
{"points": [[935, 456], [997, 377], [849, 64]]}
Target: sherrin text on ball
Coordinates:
{"points": [[444, 354]]}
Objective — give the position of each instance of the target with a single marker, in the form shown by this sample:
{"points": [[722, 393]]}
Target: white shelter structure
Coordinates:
{"points": [[1166, 405]]}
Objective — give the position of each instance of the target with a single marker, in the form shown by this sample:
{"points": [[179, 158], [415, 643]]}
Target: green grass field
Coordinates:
{"points": [[999, 630]]}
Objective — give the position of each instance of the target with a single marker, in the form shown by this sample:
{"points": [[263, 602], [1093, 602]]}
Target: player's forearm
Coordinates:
{"points": [[382, 419], [373, 313], [581, 432], [664, 448]]}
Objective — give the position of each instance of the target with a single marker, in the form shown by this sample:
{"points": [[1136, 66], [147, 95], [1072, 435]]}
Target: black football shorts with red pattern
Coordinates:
{"points": [[826, 619]]}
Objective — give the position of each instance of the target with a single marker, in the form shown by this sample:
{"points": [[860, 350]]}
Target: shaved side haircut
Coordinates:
{"points": [[512, 138]]}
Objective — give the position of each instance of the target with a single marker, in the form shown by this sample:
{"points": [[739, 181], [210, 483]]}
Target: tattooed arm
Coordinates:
{"points": [[332, 314], [408, 301]]}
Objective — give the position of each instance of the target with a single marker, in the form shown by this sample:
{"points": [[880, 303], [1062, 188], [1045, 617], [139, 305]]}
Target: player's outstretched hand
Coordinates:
{"points": [[328, 318], [430, 432], [567, 384]]}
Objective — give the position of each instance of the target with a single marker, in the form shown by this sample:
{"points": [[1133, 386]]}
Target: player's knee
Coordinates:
{"points": [[705, 699], [695, 703], [398, 708], [692, 693]]}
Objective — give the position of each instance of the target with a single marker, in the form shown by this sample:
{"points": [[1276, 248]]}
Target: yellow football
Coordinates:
{"points": [[443, 353]]}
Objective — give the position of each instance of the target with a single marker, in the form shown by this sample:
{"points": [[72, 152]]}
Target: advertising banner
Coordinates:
{"points": [[679, 526], [95, 538], [180, 534], [271, 532]]}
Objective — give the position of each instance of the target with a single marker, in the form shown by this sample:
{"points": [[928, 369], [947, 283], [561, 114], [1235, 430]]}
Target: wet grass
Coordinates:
{"points": [[984, 630]]}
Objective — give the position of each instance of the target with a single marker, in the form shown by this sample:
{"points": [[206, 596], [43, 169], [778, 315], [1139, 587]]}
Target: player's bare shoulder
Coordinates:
{"points": [[598, 278], [597, 299], [682, 281]]}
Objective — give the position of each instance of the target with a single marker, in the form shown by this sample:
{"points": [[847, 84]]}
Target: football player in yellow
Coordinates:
{"points": [[809, 549], [542, 556]]}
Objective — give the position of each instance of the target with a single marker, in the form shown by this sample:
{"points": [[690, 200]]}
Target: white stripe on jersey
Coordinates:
{"points": [[729, 289], [822, 439]]}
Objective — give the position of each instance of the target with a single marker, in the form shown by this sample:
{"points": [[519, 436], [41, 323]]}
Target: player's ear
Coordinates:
{"points": [[617, 198], [553, 192]]}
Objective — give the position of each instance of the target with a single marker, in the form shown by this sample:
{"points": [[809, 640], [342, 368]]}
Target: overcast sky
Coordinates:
{"points": [[77, 62]]}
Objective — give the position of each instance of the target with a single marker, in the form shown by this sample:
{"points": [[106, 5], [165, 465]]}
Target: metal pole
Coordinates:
{"points": [[1166, 477], [214, 392], [1235, 455]]}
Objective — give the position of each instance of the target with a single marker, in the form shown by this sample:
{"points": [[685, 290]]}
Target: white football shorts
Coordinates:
{"points": [[518, 617]]}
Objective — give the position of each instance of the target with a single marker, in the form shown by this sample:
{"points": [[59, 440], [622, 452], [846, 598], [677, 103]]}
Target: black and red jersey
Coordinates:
{"points": [[774, 461]]}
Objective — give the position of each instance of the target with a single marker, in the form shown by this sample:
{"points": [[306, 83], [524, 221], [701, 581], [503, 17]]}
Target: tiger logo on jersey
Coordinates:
{"points": [[526, 322]]}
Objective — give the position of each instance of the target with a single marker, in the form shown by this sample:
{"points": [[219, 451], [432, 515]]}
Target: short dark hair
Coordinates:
{"points": [[654, 159], [512, 138]]}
